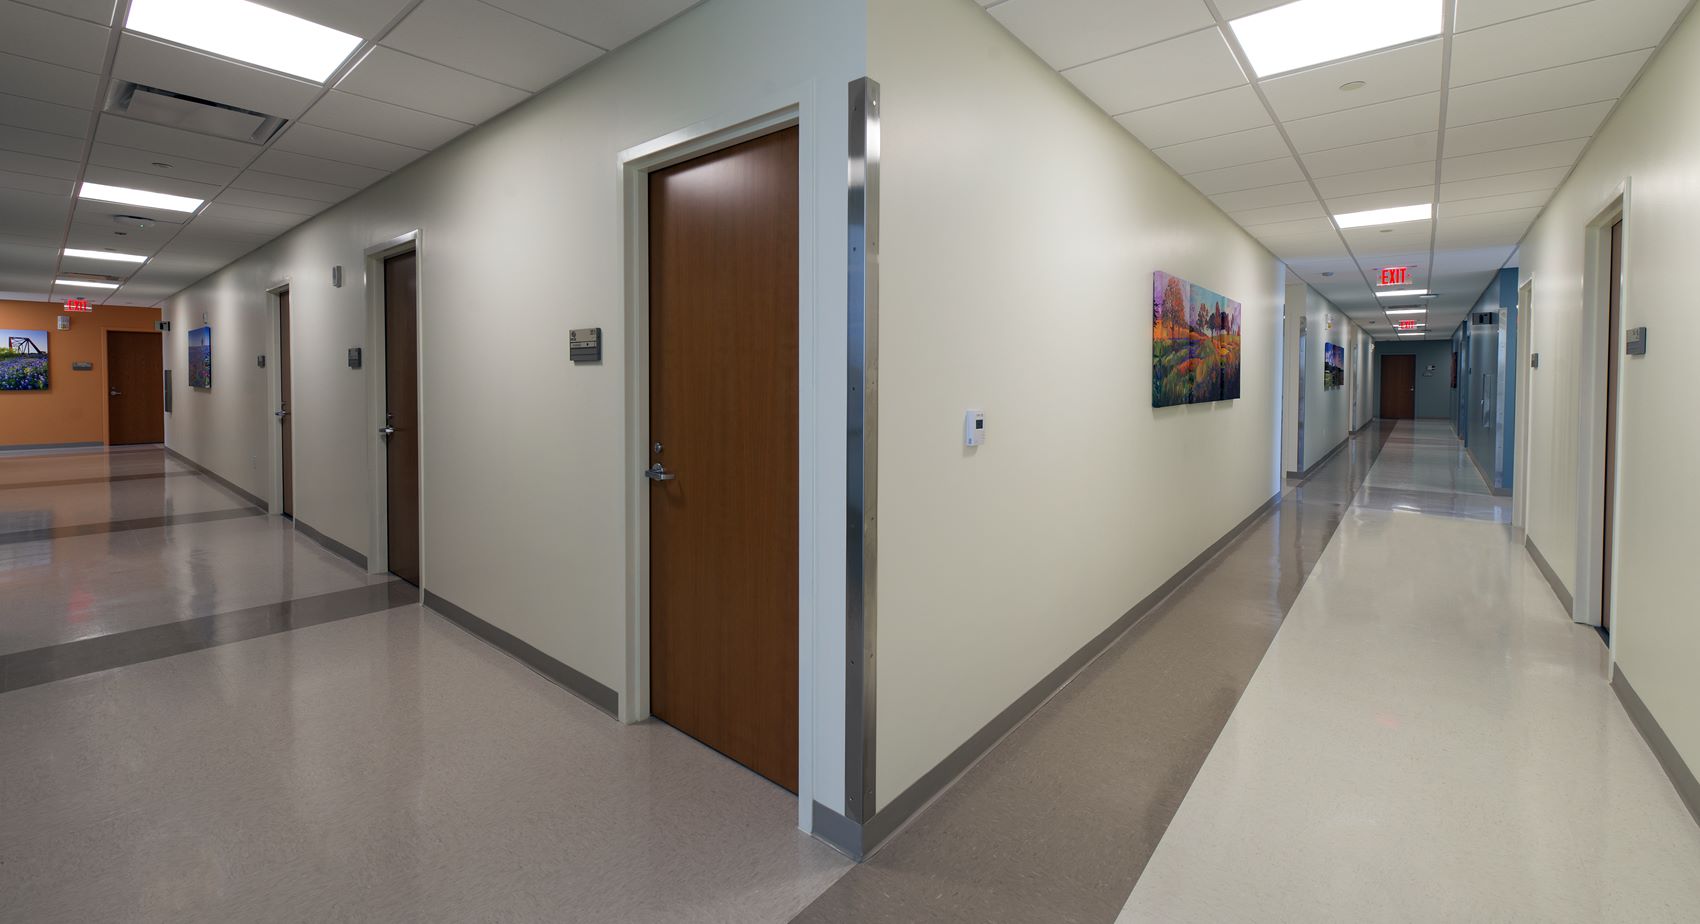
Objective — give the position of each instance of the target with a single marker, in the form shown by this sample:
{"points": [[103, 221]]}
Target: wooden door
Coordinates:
{"points": [[1398, 387], [1614, 307], [135, 380], [723, 422], [286, 409], [401, 393]]}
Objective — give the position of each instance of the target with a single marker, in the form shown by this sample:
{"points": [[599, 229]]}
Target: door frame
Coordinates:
{"points": [[106, 379], [796, 107], [1592, 408], [1524, 376], [373, 365], [274, 395]]}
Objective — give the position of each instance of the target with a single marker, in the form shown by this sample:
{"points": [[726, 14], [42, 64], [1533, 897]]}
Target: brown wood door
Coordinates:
{"points": [[1398, 387], [286, 407], [135, 380], [1614, 308], [723, 422], [401, 391]]}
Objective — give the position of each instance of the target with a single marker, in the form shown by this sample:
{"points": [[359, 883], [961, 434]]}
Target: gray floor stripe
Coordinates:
{"points": [[1057, 822], [118, 526], [103, 479], [72, 659]]}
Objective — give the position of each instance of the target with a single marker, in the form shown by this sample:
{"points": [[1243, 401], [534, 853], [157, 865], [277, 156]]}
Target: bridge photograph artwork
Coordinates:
{"points": [[23, 360]]}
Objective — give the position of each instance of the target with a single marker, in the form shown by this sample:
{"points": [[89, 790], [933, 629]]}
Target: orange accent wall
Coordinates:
{"points": [[73, 409]]}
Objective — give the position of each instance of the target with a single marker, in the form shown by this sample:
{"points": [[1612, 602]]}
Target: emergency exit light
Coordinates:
{"points": [[1395, 276], [77, 304]]}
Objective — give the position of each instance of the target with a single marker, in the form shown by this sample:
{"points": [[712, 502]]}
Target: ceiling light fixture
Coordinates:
{"points": [[104, 193], [1411, 335], [1401, 293], [1390, 216], [104, 255], [246, 32], [1309, 32], [1406, 311], [81, 282], [1429, 295]]}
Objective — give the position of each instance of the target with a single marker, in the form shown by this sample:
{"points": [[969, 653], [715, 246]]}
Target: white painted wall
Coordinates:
{"points": [[526, 459], [1361, 378], [1021, 228], [1327, 411], [1650, 142]]}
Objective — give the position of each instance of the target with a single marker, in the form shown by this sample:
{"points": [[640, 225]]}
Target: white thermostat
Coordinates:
{"points": [[973, 428]]}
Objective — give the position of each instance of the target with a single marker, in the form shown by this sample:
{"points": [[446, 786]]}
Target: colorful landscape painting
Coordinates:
{"points": [[1333, 366], [200, 357], [23, 360], [1195, 344]]}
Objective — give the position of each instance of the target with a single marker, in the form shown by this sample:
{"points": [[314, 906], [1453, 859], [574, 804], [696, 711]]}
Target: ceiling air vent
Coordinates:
{"points": [[178, 110], [92, 277]]}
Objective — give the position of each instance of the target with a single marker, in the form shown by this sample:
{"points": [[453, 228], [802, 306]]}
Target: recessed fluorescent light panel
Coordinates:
{"points": [[141, 197], [1309, 32], [105, 255], [1410, 335], [85, 284], [1402, 293], [246, 32], [1391, 216], [1391, 311]]}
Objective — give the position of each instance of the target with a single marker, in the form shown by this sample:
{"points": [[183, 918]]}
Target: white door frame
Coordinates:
{"points": [[274, 393], [1520, 440], [793, 108], [373, 364]]}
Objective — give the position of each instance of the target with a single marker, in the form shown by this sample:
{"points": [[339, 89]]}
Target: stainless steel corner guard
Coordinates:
{"points": [[861, 451]]}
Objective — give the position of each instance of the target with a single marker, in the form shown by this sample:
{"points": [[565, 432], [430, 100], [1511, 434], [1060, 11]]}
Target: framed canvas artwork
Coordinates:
{"points": [[200, 357], [1195, 343], [1333, 365], [23, 360]]}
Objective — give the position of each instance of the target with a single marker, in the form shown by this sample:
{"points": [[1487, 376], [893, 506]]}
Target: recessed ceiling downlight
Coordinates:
{"points": [[246, 32], [1309, 32]]}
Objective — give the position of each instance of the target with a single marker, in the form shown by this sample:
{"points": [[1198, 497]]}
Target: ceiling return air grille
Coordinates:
{"points": [[179, 110]]}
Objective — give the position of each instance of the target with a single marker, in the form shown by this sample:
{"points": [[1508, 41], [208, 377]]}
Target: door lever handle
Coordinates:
{"points": [[657, 473], [280, 414], [386, 432]]}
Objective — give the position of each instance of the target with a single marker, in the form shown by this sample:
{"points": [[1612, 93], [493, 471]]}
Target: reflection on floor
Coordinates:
{"points": [[378, 764]]}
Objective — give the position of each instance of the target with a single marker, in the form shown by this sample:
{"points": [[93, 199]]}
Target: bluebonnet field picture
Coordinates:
{"points": [[200, 357], [23, 360]]}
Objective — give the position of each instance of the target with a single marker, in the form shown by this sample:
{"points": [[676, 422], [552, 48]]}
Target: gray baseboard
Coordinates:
{"points": [[1545, 567], [1681, 776], [232, 486], [860, 841], [1311, 469], [585, 688], [335, 547], [1487, 479], [26, 447]]}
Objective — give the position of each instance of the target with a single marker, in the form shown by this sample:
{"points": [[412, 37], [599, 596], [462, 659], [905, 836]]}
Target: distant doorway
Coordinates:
{"points": [[401, 413], [1398, 387], [285, 408], [135, 388], [1614, 308]]}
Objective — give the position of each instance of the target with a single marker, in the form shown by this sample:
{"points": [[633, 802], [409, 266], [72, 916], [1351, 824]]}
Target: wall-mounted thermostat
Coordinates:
{"points": [[260, 360], [353, 357], [1635, 341], [64, 322], [973, 428], [584, 345], [162, 326]]}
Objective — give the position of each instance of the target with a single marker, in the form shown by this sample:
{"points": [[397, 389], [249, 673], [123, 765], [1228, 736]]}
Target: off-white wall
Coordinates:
{"points": [[1650, 142], [525, 455], [1361, 378], [1021, 228], [1326, 410]]}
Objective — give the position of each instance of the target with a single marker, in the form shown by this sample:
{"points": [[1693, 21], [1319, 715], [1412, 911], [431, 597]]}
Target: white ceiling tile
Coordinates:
{"points": [[258, 181], [168, 67], [472, 36], [160, 139], [1070, 32], [245, 217], [140, 161], [43, 144], [1531, 181], [1522, 200], [1391, 119], [38, 33], [1247, 176], [1564, 36], [1554, 125], [23, 112], [287, 163], [415, 83], [38, 165], [1204, 116], [1305, 247], [31, 182], [312, 140], [33, 211], [1234, 9], [1227, 151], [1369, 181], [1375, 155], [1408, 237], [1274, 213], [98, 12], [176, 186], [263, 200], [1512, 160], [365, 18], [1384, 199], [48, 82], [1262, 197], [1387, 75], [1314, 226], [383, 121], [1470, 260], [1191, 65], [1555, 88], [1484, 230], [1474, 14], [605, 25]]}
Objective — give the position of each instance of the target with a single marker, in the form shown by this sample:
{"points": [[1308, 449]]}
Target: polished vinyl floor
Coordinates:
{"points": [[1369, 707]]}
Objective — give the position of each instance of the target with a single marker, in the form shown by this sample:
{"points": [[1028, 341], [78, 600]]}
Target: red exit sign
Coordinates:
{"points": [[1407, 325], [78, 304], [1395, 276]]}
